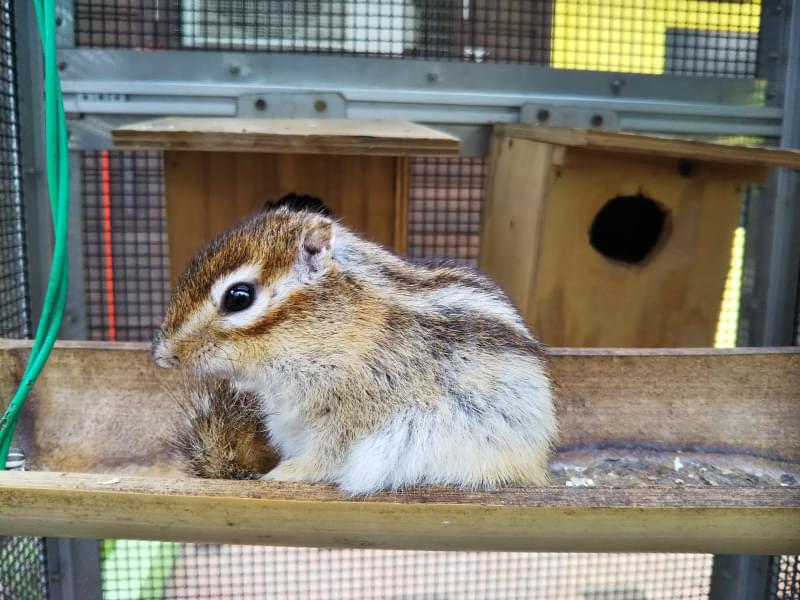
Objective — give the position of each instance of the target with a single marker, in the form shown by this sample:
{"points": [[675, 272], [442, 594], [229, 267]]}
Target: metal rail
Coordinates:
{"points": [[104, 88]]}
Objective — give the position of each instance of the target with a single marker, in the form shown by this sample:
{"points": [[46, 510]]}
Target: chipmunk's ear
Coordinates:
{"points": [[315, 250]]}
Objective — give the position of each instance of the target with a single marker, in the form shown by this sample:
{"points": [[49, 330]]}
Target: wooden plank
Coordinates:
{"points": [[207, 192], [657, 145], [517, 188], [272, 513], [743, 401], [401, 192], [303, 136], [189, 224], [579, 297], [105, 408], [95, 409]]}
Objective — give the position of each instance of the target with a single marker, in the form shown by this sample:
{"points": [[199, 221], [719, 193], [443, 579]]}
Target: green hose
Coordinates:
{"points": [[58, 184]]}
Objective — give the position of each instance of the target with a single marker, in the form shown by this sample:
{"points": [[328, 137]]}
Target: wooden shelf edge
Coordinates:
{"points": [[17, 344], [757, 521], [287, 136]]}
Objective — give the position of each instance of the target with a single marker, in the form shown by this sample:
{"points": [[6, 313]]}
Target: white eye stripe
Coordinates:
{"points": [[249, 315], [277, 292], [197, 320], [244, 274]]}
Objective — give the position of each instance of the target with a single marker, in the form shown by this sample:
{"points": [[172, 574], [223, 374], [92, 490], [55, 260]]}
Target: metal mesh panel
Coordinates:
{"points": [[694, 38], [127, 277], [211, 571], [444, 211], [784, 578], [480, 30], [22, 569], [14, 309]]}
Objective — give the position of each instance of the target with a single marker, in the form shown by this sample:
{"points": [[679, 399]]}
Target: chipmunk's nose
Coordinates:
{"points": [[163, 352]]}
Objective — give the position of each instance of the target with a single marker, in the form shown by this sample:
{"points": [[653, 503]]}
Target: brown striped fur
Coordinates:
{"points": [[356, 345]]}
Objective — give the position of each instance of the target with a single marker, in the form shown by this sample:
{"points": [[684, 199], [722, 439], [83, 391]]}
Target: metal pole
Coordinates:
{"points": [[73, 569], [739, 577], [775, 304], [30, 102]]}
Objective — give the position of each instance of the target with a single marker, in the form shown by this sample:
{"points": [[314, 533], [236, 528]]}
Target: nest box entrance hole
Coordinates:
{"points": [[628, 228]]}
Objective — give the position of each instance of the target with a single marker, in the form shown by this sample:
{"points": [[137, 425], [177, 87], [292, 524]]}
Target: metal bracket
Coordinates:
{"points": [[469, 96], [560, 116], [292, 106], [65, 25]]}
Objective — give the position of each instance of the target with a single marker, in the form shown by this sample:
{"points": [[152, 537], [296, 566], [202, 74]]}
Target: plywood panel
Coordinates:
{"points": [[579, 297], [207, 192], [517, 188], [287, 136]]}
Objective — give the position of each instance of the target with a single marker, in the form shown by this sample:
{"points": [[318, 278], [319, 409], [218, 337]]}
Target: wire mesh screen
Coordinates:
{"points": [[693, 38], [171, 571], [14, 309], [444, 208], [784, 578], [22, 569], [127, 279]]}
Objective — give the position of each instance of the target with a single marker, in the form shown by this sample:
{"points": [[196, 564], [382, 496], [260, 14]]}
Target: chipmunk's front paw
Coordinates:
{"points": [[291, 470]]}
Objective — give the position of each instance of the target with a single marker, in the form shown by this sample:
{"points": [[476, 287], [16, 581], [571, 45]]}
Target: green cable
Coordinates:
{"points": [[58, 184]]}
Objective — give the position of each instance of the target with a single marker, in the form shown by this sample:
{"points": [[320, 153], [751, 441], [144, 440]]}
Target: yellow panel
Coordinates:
{"points": [[598, 35]]}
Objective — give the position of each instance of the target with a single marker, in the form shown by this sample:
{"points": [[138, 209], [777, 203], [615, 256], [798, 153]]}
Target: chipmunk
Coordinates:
{"points": [[371, 373]]}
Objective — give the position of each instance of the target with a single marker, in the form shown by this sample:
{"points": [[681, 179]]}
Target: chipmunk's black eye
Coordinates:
{"points": [[238, 297]]}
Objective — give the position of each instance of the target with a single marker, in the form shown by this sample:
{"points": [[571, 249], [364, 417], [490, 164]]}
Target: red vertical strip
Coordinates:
{"points": [[108, 255]]}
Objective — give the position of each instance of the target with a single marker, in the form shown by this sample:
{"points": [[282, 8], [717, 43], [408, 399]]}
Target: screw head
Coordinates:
{"points": [[260, 104], [597, 120], [320, 105], [235, 70], [432, 77], [542, 115]]}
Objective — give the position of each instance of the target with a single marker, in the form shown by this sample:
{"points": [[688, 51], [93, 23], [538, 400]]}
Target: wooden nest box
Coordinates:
{"points": [[218, 171], [615, 239]]}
